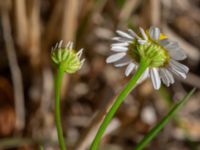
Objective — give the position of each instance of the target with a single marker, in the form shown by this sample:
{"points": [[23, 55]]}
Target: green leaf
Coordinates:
{"points": [[154, 131]]}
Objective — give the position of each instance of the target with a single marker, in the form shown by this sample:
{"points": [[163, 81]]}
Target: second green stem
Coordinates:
{"points": [[58, 83], [122, 95]]}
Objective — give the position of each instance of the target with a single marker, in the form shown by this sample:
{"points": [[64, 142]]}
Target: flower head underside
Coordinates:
{"points": [[161, 54]]}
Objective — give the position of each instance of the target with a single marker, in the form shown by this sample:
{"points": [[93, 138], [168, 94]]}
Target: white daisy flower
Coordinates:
{"points": [[66, 57], [161, 53]]}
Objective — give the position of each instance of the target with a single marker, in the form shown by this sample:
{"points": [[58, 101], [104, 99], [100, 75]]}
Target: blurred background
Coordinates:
{"points": [[28, 30]]}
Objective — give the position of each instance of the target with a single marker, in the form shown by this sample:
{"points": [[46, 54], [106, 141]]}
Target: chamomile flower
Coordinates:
{"points": [[161, 53], [66, 57]]}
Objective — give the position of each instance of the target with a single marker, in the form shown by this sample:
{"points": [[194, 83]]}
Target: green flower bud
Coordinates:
{"points": [[66, 58]]}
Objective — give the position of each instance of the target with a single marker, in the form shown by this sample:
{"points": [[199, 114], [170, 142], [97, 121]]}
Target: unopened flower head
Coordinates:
{"points": [[66, 57], [161, 54]]}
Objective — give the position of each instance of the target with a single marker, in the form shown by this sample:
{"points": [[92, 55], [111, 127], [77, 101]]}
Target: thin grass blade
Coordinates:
{"points": [[154, 131]]}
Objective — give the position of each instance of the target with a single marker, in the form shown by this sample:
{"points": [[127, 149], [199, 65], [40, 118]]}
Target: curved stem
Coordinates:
{"points": [[122, 95], [58, 83]]}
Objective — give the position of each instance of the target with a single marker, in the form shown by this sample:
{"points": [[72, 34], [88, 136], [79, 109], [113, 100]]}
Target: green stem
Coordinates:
{"points": [[122, 95], [58, 83]]}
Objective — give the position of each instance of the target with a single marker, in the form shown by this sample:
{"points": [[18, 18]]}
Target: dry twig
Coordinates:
{"points": [[70, 20], [127, 9], [155, 12], [15, 71], [21, 23], [34, 32], [52, 24]]}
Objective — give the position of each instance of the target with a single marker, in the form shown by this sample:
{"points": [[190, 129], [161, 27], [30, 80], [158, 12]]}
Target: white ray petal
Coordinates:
{"points": [[122, 62], [124, 34], [68, 44], [56, 46], [120, 44], [164, 77], [119, 49], [71, 46], [155, 78], [143, 76], [129, 69], [165, 80], [142, 41], [121, 39], [117, 39], [133, 33], [143, 33], [177, 54], [82, 62], [60, 44], [178, 66], [178, 73], [115, 57], [172, 45], [164, 42], [80, 52], [154, 33], [168, 75]]}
